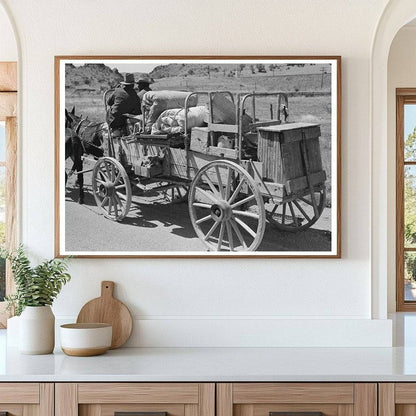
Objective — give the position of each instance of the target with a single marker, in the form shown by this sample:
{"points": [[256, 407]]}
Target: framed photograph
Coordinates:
{"points": [[197, 156]]}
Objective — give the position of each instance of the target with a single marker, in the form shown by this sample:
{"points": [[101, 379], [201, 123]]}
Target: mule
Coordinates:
{"points": [[81, 137]]}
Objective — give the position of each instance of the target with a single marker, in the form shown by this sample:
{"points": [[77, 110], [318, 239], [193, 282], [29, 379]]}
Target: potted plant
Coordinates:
{"points": [[36, 289]]}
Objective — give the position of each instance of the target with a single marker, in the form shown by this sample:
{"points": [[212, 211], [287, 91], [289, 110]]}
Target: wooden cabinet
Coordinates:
{"points": [[207, 399], [27, 399], [297, 399], [106, 399], [397, 399]]}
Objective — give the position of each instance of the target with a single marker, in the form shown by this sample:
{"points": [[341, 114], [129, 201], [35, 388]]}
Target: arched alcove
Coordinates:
{"points": [[401, 73], [396, 14], [8, 44]]}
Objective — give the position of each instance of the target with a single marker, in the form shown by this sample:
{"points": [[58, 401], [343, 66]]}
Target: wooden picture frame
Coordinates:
{"points": [[404, 96], [253, 141]]}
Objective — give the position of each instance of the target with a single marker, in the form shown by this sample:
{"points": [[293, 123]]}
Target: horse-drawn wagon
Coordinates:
{"points": [[236, 172]]}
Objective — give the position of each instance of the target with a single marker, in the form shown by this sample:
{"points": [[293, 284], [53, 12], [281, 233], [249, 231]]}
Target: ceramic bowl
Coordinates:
{"points": [[84, 340]]}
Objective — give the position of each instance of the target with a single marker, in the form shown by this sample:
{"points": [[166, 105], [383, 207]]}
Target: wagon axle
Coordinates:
{"points": [[221, 211], [106, 189]]}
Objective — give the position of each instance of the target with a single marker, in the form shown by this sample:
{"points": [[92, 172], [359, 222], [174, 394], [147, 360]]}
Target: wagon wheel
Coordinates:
{"points": [[111, 188], [297, 213], [176, 194], [226, 208]]}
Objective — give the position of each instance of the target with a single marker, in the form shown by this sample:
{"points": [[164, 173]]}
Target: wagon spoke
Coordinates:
{"points": [[104, 173], [110, 206], [115, 207], [237, 191], [120, 195], [220, 186], [243, 201], [104, 201], [110, 170], [306, 201], [230, 235], [176, 193], [221, 236], [103, 177], [284, 213], [107, 170], [292, 211], [247, 214], [212, 186], [238, 232], [301, 210], [274, 210], [228, 186], [203, 219], [100, 181], [117, 177], [245, 226], [122, 186], [212, 229], [201, 205], [118, 201], [207, 194]]}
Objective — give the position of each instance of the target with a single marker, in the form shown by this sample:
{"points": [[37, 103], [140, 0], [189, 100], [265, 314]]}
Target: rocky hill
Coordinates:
{"points": [[94, 77], [229, 70]]}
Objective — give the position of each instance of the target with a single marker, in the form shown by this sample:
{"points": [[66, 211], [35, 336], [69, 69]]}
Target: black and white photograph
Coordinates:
{"points": [[197, 156]]}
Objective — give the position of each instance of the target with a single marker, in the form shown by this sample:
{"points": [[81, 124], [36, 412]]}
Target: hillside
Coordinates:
{"points": [[232, 70], [94, 77]]}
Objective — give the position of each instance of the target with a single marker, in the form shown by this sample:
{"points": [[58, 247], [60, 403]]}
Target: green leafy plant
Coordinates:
{"points": [[35, 286]]}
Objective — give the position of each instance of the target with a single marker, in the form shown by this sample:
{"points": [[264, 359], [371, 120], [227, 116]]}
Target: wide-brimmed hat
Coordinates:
{"points": [[146, 80], [128, 79]]}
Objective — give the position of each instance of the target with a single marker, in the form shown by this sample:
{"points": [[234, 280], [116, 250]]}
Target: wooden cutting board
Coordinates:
{"points": [[107, 309]]}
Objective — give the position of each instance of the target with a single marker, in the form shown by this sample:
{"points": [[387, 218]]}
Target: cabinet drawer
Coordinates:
{"points": [[397, 399], [152, 399], [296, 399], [21, 399]]}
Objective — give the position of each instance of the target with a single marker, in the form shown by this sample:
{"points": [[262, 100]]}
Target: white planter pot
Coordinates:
{"points": [[37, 330], [13, 331]]}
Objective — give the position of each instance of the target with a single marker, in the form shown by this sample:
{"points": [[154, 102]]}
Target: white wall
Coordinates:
{"points": [[179, 302], [401, 74], [8, 47]]}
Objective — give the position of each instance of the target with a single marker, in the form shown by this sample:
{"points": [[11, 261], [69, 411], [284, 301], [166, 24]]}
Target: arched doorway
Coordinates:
{"points": [[396, 14]]}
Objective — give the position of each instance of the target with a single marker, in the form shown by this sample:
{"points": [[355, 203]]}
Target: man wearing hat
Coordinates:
{"points": [[144, 86], [123, 100]]}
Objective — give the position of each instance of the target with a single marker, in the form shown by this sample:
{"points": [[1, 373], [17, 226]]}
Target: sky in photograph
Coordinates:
{"points": [[129, 67], [145, 68]]}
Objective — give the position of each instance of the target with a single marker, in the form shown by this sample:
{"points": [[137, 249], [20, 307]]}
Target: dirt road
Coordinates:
{"points": [[154, 224]]}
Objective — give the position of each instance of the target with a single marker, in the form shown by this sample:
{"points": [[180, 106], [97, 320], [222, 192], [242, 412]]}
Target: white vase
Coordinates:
{"points": [[37, 330], [13, 331]]}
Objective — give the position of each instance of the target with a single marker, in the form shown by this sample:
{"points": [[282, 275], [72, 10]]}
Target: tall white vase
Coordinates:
{"points": [[37, 330], [13, 331]]}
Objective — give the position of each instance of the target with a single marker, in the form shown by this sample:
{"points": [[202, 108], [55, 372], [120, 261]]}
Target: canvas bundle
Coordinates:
{"points": [[173, 121], [158, 101]]}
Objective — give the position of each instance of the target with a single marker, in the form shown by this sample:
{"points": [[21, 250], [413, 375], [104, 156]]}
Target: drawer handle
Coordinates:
{"points": [[296, 414], [138, 414]]}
